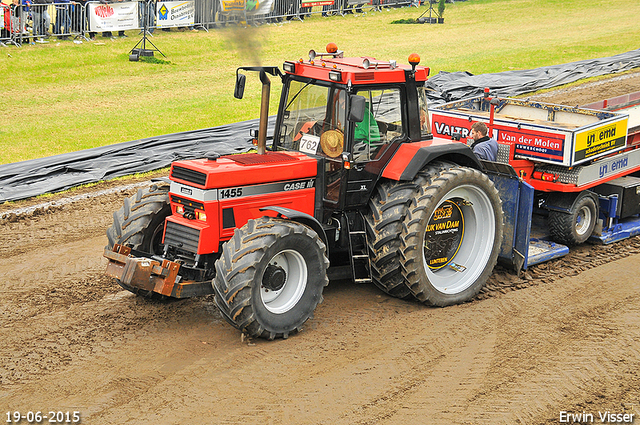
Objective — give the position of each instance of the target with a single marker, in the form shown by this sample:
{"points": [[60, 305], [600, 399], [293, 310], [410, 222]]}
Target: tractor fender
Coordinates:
{"points": [[413, 157], [301, 218]]}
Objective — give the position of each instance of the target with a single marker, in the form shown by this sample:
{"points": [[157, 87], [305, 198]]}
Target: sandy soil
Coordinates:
{"points": [[562, 337]]}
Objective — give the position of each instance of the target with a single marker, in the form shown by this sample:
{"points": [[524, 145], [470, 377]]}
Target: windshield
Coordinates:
{"points": [[314, 119]]}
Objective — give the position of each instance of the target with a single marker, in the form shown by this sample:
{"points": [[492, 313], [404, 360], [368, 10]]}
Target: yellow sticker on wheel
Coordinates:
{"points": [[443, 235]]}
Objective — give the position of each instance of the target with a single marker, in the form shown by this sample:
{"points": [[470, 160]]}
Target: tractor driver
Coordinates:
{"points": [[483, 146], [367, 131]]}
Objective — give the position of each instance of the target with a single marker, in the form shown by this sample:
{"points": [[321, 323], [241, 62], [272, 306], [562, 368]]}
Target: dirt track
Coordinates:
{"points": [[563, 337]]}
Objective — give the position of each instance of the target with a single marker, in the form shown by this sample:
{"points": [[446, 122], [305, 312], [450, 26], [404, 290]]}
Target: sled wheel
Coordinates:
{"points": [[140, 224], [575, 227], [270, 277], [451, 236]]}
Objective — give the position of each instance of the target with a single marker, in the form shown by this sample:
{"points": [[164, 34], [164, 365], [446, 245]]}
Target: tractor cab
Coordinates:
{"points": [[351, 114]]}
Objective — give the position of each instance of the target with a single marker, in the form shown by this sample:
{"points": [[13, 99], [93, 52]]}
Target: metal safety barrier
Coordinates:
{"points": [[40, 20], [36, 22]]}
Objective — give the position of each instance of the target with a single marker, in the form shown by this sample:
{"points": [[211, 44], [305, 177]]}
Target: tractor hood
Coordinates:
{"points": [[243, 169]]}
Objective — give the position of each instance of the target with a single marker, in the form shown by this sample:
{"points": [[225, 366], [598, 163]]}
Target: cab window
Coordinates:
{"points": [[314, 119], [381, 125]]}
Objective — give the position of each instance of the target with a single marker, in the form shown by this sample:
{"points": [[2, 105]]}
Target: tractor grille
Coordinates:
{"points": [[183, 237], [188, 204], [189, 175], [361, 76]]}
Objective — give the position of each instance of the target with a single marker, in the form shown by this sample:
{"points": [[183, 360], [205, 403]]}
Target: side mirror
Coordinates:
{"points": [[356, 110], [239, 90]]}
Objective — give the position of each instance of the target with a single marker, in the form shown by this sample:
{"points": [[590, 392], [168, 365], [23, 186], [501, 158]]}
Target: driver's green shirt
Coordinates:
{"points": [[367, 130]]}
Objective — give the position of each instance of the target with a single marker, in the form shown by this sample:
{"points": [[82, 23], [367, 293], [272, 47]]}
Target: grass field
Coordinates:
{"points": [[61, 97]]}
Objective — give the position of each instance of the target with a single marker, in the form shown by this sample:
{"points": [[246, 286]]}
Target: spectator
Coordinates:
{"points": [[63, 20], [346, 7], [18, 18], [327, 10], [148, 15], [6, 27], [108, 34], [483, 146], [39, 14], [81, 5], [76, 17]]}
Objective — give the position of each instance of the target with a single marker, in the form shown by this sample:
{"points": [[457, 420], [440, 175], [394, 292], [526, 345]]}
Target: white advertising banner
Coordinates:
{"points": [[176, 13], [119, 16], [259, 7], [250, 7]]}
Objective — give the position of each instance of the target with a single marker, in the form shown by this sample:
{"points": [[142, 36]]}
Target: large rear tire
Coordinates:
{"points": [[451, 235], [388, 208], [270, 277], [140, 224]]}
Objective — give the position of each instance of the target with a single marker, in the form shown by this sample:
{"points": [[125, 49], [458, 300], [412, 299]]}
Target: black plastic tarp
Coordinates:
{"points": [[450, 86], [25, 179]]}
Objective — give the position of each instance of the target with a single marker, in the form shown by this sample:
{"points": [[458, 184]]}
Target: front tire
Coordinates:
{"points": [[140, 224], [270, 277], [451, 236]]}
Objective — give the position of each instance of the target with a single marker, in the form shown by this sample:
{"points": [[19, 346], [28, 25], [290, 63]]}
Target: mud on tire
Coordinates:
{"points": [[140, 224], [451, 266], [270, 277]]}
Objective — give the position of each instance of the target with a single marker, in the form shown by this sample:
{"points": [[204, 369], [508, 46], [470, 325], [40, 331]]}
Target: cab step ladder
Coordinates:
{"points": [[359, 249]]}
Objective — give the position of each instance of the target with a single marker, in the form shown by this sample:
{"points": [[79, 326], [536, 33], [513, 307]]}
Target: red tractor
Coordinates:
{"points": [[352, 186]]}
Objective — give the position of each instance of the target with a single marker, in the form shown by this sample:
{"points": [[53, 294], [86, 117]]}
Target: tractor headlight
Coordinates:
{"points": [[201, 215], [289, 67], [335, 75]]}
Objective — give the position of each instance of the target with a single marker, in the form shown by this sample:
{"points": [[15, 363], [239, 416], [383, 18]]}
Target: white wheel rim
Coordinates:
{"points": [[583, 220], [476, 246], [284, 299]]}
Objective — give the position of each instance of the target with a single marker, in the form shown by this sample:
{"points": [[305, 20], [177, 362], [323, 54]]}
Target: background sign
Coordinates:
{"points": [[119, 16], [602, 139], [317, 3], [529, 143], [250, 7], [175, 13], [358, 2]]}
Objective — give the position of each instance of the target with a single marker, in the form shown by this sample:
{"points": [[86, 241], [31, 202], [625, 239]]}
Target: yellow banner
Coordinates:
{"points": [[233, 5], [601, 139]]}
